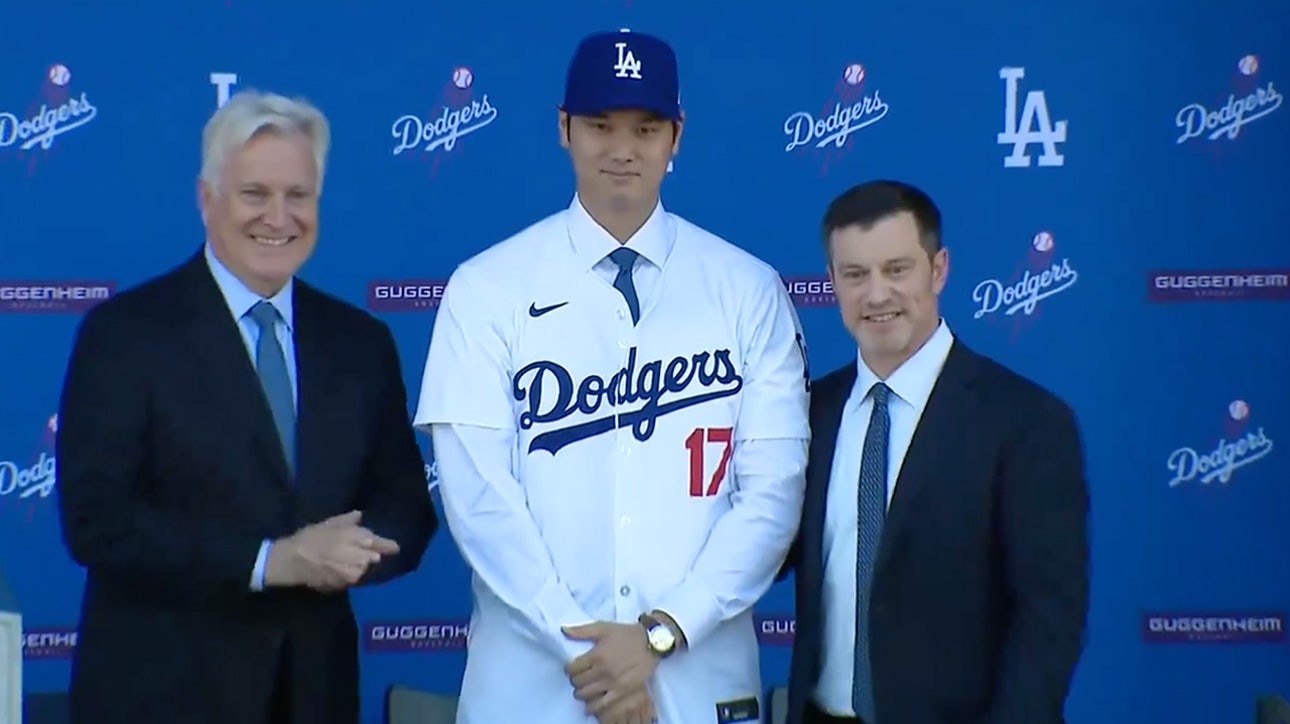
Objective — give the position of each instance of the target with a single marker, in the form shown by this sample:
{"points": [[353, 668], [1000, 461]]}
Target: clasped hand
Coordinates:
{"points": [[612, 677], [327, 556]]}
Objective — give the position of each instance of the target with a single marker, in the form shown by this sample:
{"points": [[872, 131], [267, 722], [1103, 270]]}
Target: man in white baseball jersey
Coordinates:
{"points": [[618, 405]]}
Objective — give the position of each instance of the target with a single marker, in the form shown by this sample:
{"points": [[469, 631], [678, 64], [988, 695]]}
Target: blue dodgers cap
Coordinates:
{"points": [[623, 70]]}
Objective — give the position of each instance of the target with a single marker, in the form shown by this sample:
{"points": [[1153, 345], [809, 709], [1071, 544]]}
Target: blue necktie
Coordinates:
{"points": [[872, 512], [272, 366], [625, 259]]}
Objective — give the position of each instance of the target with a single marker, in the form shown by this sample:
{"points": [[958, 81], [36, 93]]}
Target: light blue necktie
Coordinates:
{"points": [[272, 366], [872, 513], [626, 259]]}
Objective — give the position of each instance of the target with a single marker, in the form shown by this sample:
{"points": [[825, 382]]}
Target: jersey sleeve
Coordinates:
{"points": [[747, 546], [776, 370], [465, 407], [467, 370]]}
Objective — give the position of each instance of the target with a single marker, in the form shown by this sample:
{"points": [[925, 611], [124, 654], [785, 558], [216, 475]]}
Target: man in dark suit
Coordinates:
{"points": [[234, 454], [941, 564]]}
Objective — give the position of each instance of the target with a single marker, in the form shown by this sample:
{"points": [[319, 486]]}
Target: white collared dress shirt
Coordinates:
{"points": [[911, 386]]}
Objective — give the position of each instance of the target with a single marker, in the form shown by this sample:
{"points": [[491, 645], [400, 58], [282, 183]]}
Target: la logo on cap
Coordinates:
{"points": [[627, 65]]}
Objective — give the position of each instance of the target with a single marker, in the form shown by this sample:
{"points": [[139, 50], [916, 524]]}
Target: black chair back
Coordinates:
{"points": [[51, 707]]}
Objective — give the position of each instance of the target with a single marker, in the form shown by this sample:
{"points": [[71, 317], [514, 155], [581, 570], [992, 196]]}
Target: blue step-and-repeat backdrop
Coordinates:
{"points": [[1113, 175]]}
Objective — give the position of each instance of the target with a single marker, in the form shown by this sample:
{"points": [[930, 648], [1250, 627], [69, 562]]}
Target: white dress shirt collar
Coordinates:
{"points": [[913, 380], [240, 298], [591, 243]]}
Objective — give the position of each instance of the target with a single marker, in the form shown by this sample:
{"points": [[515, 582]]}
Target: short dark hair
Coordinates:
{"points": [[868, 203]]}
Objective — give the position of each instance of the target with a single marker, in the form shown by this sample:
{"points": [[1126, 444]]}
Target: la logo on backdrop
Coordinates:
{"points": [[457, 112], [56, 109], [1033, 126], [1041, 273], [855, 104]]}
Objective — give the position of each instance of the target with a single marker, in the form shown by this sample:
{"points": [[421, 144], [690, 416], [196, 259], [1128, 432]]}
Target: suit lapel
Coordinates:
{"points": [[315, 355], [226, 371], [948, 414]]}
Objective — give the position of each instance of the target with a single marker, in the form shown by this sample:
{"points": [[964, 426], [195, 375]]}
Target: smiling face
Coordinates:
{"points": [[262, 220], [887, 287], [619, 158]]}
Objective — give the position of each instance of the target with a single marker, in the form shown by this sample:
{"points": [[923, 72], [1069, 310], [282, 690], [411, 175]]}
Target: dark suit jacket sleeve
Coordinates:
{"points": [[398, 503], [108, 522], [1043, 507]]}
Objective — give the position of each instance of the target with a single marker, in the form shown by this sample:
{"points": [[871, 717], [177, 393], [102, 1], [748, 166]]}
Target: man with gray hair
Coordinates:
{"points": [[234, 455]]}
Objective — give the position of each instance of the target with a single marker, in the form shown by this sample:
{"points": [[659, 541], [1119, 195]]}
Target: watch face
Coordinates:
{"points": [[661, 639]]}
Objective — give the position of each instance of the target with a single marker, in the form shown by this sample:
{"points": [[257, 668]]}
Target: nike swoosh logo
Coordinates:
{"points": [[535, 312]]}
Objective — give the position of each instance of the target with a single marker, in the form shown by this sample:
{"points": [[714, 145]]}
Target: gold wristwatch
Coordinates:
{"points": [[661, 640]]}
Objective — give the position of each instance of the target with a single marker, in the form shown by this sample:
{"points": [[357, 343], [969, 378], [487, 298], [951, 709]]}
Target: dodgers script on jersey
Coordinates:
{"points": [[593, 468]]}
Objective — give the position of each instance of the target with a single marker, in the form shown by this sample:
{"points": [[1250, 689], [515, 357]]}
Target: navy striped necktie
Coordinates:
{"points": [[872, 514]]}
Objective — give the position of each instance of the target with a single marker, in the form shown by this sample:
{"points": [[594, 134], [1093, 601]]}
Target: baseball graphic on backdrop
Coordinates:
{"points": [[59, 74]]}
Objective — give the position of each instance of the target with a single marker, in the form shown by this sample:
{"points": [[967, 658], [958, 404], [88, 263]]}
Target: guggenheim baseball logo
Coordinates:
{"points": [[1221, 285], [425, 634], [405, 295], [53, 296], [776, 629], [1212, 627], [55, 642], [810, 290], [1239, 445], [661, 387]]}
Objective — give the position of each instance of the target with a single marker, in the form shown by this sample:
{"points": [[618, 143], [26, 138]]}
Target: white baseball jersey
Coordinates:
{"points": [[594, 469]]}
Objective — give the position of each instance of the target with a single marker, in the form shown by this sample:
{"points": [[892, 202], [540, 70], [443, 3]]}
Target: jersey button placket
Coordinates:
{"points": [[626, 467], [623, 494], [627, 330]]}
